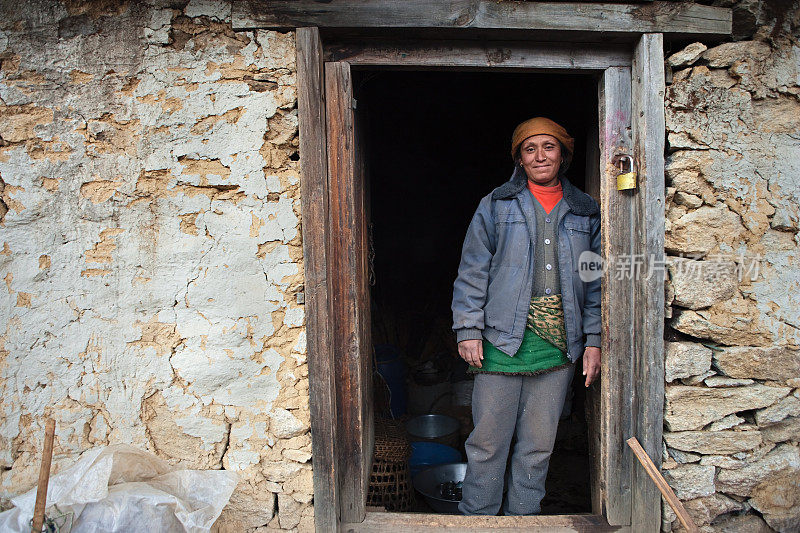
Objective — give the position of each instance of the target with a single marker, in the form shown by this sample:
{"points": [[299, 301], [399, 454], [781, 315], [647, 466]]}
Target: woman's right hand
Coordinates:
{"points": [[471, 351]]}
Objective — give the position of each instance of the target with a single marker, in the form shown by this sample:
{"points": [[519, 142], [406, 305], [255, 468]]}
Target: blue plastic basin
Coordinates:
{"points": [[425, 454]]}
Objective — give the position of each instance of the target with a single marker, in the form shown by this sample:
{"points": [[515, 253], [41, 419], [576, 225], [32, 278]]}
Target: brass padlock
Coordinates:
{"points": [[626, 180]]}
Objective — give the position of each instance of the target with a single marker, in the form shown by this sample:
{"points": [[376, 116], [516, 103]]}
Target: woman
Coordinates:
{"points": [[523, 316]]}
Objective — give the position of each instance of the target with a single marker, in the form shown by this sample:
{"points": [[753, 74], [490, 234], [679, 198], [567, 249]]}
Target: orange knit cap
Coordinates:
{"points": [[539, 126]]}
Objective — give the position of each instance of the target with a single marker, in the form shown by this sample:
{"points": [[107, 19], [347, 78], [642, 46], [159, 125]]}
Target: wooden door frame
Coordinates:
{"points": [[628, 402], [489, 35]]}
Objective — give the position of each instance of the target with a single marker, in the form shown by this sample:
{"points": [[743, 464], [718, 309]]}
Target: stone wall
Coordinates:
{"points": [[151, 248], [732, 410]]}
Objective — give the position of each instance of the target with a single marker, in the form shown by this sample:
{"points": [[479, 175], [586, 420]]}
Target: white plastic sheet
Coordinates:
{"points": [[122, 488]]}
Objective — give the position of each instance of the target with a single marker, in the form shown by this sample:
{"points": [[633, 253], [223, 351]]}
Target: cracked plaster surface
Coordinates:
{"points": [[151, 246]]}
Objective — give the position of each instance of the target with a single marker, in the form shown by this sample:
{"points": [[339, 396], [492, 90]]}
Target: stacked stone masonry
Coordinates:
{"points": [[732, 408], [151, 246]]}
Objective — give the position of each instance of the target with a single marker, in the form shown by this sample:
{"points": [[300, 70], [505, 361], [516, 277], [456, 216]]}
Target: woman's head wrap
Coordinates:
{"points": [[540, 126]]}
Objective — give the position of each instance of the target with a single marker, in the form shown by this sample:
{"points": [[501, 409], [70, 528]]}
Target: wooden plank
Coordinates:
{"points": [[363, 301], [349, 294], [314, 205], [648, 133], [663, 487], [475, 54], [44, 476], [419, 522], [612, 492], [666, 17]]}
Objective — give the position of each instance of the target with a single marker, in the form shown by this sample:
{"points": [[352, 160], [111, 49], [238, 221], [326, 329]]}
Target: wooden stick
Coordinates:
{"points": [[662, 485], [44, 477]]}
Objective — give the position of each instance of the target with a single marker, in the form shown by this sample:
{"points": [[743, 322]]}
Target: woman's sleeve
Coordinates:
{"points": [[469, 289], [591, 304]]}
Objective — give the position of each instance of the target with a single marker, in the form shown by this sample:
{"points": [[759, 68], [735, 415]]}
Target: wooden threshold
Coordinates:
{"points": [[427, 523]]}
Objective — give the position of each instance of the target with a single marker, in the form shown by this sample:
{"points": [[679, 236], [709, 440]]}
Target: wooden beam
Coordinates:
{"points": [[382, 522], [314, 205], [347, 273], [648, 134], [612, 490], [476, 54], [666, 17]]}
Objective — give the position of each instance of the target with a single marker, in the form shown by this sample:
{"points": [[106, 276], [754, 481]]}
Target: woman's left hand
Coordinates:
{"points": [[591, 363]]}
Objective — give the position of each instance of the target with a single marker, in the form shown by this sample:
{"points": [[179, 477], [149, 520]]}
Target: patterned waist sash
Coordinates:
{"points": [[546, 319]]}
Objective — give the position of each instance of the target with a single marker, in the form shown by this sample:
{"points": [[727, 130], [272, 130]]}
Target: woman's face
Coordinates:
{"points": [[540, 156]]}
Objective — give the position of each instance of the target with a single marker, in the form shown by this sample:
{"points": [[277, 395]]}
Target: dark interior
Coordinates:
{"points": [[436, 142]]}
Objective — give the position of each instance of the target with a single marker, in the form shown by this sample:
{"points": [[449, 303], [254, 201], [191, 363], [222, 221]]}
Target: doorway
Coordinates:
{"points": [[628, 398], [435, 143]]}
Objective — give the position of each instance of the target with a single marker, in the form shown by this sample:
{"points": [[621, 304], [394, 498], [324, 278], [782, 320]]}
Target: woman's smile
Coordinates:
{"points": [[540, 157]]}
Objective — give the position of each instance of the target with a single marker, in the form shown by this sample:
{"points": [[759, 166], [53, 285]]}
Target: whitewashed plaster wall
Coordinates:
{"points": [[151, 246]]}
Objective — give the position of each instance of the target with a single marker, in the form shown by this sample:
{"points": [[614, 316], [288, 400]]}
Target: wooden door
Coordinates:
{"points": [[612, 408], [349, 292]]}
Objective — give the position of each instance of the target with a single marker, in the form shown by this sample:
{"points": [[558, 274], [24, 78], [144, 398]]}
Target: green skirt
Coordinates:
{"points": [[535, 356]]}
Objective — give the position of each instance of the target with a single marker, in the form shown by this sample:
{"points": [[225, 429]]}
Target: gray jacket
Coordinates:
{"points": [[491, 295]]}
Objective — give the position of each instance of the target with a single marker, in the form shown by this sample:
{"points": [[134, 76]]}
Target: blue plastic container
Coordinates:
{"points": [[425, 454], [393, 370]]}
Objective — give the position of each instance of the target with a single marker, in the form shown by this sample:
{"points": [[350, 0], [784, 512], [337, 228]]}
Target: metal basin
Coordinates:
{"points": [[427, 483], [439, 428]]}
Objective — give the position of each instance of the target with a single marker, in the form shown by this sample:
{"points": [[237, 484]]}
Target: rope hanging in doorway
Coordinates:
{"points": [[371, 254]]}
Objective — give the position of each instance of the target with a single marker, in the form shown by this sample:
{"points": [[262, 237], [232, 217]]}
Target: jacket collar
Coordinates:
{"points": [[578, 201]]}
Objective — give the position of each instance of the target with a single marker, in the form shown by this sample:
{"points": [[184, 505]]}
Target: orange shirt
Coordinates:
{"points": [[547, 196]]}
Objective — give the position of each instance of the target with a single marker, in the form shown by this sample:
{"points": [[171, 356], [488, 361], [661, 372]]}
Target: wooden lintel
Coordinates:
{"points": [[475, 54], [671, 18]]}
